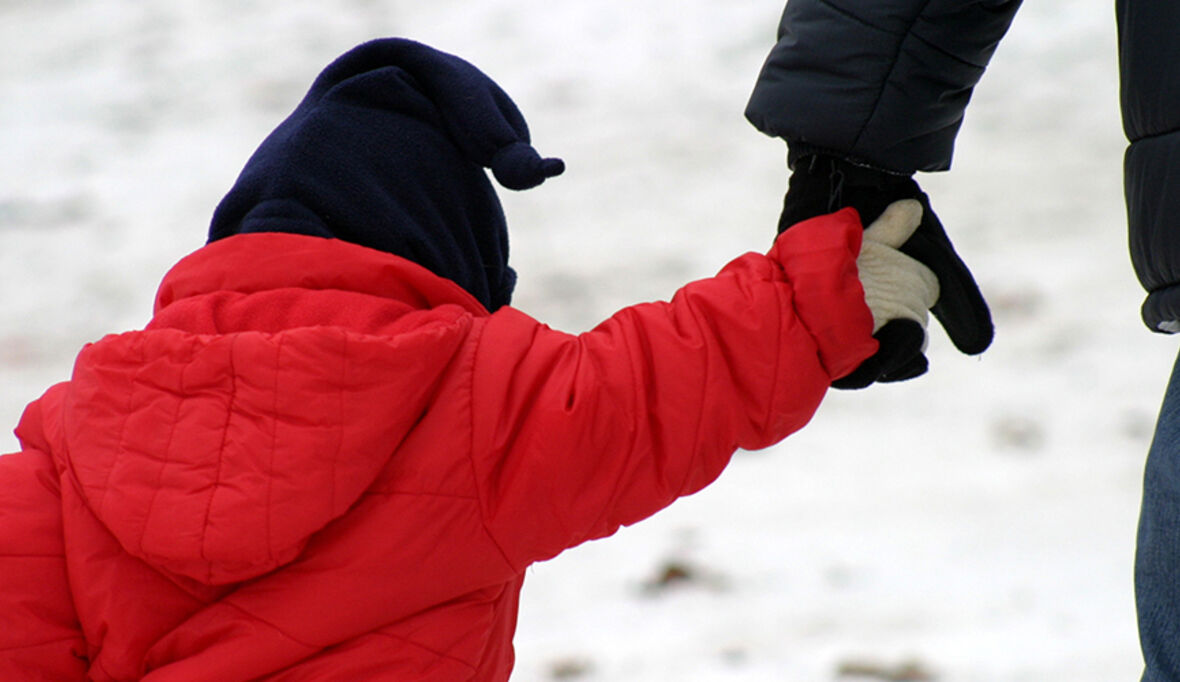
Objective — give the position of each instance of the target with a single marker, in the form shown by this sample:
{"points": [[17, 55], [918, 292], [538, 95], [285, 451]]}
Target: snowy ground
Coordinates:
{"points": [[978, 523]]}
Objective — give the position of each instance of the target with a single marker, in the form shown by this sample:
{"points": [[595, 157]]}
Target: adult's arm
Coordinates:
{"points": [[1149, 60], [878, 82]]}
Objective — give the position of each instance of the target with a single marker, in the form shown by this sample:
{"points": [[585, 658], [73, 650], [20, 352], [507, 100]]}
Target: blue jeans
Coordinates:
{"points": [[1157, 558]]}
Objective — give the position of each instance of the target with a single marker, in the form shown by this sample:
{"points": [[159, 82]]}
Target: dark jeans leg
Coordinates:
{"points": [[1157, 559]]}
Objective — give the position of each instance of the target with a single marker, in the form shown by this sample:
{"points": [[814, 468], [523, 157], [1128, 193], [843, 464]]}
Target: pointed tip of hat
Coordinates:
{"points": [[518, 166]]}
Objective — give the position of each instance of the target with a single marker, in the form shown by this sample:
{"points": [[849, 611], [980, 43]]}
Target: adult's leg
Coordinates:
{"points": [[1157, 558]]}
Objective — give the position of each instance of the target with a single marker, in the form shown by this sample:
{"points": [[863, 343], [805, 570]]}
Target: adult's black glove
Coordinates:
{"points": [[822, 184]]}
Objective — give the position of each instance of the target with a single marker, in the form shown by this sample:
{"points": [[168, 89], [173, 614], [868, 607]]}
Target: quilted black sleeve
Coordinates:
{"points": [[880, 82]]}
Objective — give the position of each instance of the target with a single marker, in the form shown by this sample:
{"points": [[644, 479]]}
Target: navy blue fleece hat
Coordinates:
{"points": [[388, 151]]}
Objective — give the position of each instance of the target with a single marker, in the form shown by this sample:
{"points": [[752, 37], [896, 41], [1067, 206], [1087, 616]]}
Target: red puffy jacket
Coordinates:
{"points": [[322, 462]]}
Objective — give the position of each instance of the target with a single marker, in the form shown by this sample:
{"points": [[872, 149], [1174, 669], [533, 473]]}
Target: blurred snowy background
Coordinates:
{"points": [[977, 525]]}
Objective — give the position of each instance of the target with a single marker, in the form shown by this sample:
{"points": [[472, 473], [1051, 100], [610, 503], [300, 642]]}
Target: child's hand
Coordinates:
{"points": [[821, 184], [899, 291]]}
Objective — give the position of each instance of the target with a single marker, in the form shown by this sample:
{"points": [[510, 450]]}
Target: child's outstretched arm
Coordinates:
{"points": [[40, 637], [577, 435]]}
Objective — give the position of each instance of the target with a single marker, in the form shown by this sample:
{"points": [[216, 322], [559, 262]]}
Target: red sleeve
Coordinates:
{"points": [[40, 637], [577, 435]]}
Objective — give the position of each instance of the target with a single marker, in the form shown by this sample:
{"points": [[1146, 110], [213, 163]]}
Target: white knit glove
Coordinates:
{"points": [[896, 286], [899, 292]]}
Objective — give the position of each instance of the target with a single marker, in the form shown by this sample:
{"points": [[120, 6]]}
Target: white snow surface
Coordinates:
{"points": [[978, 522]]}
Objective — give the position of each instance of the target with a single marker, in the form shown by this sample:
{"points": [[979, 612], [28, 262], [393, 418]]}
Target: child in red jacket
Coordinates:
{"points": [[335, 449]]}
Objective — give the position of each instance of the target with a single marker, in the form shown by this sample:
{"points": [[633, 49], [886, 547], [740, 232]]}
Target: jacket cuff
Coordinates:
{"points": [[818, 257]]}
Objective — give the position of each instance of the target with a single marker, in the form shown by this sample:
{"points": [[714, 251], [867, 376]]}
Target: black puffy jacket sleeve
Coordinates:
{"points": [[879, 82], [1149, 58]]}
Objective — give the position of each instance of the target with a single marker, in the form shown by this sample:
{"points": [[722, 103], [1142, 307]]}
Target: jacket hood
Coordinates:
{"points": [[388, 150], [215, 442]]}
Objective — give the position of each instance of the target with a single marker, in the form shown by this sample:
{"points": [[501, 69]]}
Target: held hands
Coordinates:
{"points": [[899, 291], [823, 184]]}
